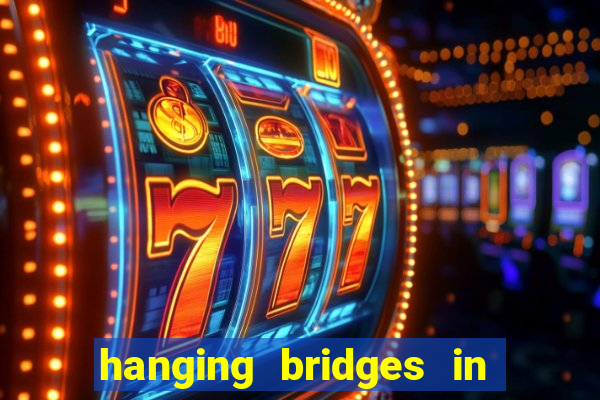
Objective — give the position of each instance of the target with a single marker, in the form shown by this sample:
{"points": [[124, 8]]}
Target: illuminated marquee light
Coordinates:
{"points": [[358, 195], [325, 60], [224, 32], [176, 120], [204, 214], [301, 202]]}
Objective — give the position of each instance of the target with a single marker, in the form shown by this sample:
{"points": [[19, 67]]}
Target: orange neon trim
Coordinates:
{"points": [[325, 60], [259, 97], [279, 137], [484, 211], [121, 6], [202, 213], [300, 201], [362, 195]]}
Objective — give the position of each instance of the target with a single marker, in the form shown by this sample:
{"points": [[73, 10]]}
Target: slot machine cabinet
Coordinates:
{"points": [[470, 194], [449, 191], [429, 199], [493, 207], [524, 219], [160, 158], [573, 224]]}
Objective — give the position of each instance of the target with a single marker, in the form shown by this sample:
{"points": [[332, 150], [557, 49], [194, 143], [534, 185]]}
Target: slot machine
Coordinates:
{"points": [[470, 193], [196, 169], [429, 204], [449, 188], [524, 219], [573, 224], [493, 211]]}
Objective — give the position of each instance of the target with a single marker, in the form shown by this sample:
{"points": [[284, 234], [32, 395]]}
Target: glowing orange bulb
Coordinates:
{"points": [[19, 102], [26, 159], [23, 132], [29, 299], [43, 62], [28, 192], [60, 270], [23, 395], [26, 365], [55, 147], [55, 364], [58, 333], [51, 118], [9, 48], [6, 24], [57, 176], [29, 267], [39, 35], [47, 90], [28, 333], [59, 301], [15, 75], [58, 207], [34, 9], [59, 238], [52, 394]]}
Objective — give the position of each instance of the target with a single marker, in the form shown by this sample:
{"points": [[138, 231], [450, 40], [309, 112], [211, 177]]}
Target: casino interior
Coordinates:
{"points": [[299, 168]]}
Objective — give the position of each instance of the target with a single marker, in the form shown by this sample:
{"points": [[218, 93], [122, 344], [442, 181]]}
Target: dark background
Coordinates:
{"points": [[552, 339]]}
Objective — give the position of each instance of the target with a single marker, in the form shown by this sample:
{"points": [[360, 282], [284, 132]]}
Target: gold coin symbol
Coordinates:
{"points": [[177, 122]]}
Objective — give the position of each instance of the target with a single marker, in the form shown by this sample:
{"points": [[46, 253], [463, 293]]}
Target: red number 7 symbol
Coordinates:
{"points": [[362, 195], [204, 214], [300, 201]]}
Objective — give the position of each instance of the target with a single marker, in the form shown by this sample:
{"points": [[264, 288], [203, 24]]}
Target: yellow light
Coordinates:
{"points": [[23, 131], [58, 333], [19, 102], [60, 270], [29, 299], [22, 395], [28, 333], [462, 128], [29, 267], [51, 118], [53, 394], [59, 238], [26, 365], [59, 301], [15, 75], [594, 121], [58, 207], [55, 364], [584, 138], [26, 159], [43, 62], [55, 147], [33, 9], [39, 35], [57, 176], [6, 23], [9, 48], [48, 90]]}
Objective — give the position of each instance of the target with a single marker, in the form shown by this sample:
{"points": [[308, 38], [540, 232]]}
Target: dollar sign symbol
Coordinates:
{"points": [[177, 122]]}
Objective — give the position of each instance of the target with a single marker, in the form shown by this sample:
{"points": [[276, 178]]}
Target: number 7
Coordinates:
{"points": [[203, 214], [362, 195], [300, 201]]}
